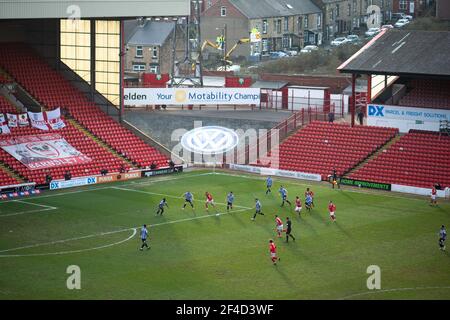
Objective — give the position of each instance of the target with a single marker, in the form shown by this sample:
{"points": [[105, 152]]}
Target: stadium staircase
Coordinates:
{"points": [[100, 142], [372, 156], [52, 90], [321, 147], [418, 158]]}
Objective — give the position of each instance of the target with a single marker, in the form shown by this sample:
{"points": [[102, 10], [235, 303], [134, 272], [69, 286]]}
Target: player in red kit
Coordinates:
{"points": [[298, 205], [209, 200], [433, 197], [273, 252], [332, 210], [279, 225]]}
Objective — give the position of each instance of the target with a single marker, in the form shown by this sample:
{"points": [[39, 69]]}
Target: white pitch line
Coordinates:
{"points": [[36, 204], [151, 181], [169, 196], [71, 251], [107, 233], [26, 212], [391, 290]]}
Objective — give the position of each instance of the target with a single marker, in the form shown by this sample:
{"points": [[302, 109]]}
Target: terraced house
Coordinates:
{"points": [[283, 24], [343, 17]]}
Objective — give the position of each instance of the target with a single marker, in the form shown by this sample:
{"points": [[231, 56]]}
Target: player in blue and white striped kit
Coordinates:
{"points": [[144, 235], [269, 185], [258, 208], [442, 238], [161, 206], [230, 200], [283, 192], [188, 198]]}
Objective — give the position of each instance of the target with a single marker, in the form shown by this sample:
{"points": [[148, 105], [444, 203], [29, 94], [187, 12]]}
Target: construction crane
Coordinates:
{"points": [[219, 46]]}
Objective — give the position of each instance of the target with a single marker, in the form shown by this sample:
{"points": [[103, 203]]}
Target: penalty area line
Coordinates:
{"points": [[102, 234]]}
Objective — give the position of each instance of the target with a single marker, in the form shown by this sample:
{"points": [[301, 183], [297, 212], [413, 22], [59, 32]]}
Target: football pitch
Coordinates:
{"points": [[199, 255]]}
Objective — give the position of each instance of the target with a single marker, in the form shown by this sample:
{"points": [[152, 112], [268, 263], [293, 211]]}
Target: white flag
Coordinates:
{"points": [[4, 129], [23, 120], [54, 119], [37, 120], [12, 120]]}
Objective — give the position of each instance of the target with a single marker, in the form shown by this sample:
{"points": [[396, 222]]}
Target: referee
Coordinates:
{"points": [[289, 229]]}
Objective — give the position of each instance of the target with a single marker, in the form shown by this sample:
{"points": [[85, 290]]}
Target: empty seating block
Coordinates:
{"points": [[53, 90], [321, 147], [427, 94], [418, 159]]}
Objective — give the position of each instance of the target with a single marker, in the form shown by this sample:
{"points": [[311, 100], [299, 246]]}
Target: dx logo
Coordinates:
{"points": [[376, 111]]}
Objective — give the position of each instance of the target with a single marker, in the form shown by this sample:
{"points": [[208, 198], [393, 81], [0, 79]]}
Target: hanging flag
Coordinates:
{"points": [[12, 120], [37, 120], [4, 129], [23, 120], [54, 119]]}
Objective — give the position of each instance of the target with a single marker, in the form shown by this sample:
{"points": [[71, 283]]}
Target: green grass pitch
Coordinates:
{"points": [[196, 255]]}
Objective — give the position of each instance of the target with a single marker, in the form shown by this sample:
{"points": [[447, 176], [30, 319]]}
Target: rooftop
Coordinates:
{"points": [[403, 53]]}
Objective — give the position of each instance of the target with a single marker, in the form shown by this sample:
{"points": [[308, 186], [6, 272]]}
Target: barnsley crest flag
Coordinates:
{"points": [[12, 120], [23, 120], [4, 129], [54, 119], [37, 120]]}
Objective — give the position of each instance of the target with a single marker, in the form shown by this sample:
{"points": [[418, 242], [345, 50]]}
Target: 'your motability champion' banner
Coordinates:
{"points": [[43, 151], [184, 96]]}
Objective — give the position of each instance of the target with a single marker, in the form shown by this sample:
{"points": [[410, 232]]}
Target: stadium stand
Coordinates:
{"points": [[427, 93], [419, 158], [321, 147], [101, 157], [52, 90]]}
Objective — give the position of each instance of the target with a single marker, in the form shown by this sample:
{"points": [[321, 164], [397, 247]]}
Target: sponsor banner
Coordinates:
{"points": [[119, 177], [406, 118], [186, 96], [365, 184], [420, 191], [43, 151], [277, 172], [157, 172], [76, 182]]}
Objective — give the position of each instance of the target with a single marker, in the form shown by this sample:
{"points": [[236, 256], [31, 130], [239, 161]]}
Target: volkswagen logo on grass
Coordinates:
{"points": [[210, 139]]}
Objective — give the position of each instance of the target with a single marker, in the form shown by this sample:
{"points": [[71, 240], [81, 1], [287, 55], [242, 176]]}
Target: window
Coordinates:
{"points": [[279, 26], [300, 24], [265, 45], [155, 53], [319, 20], [286, 23], [209, 3], [332, 15], [337, 10], [107, 59], [403, 4], [223, 11], [349, 11], [139, 52], [306, 26], [354, 6], [153, 69], [264, 26], [138, 66], [75, 46]]}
